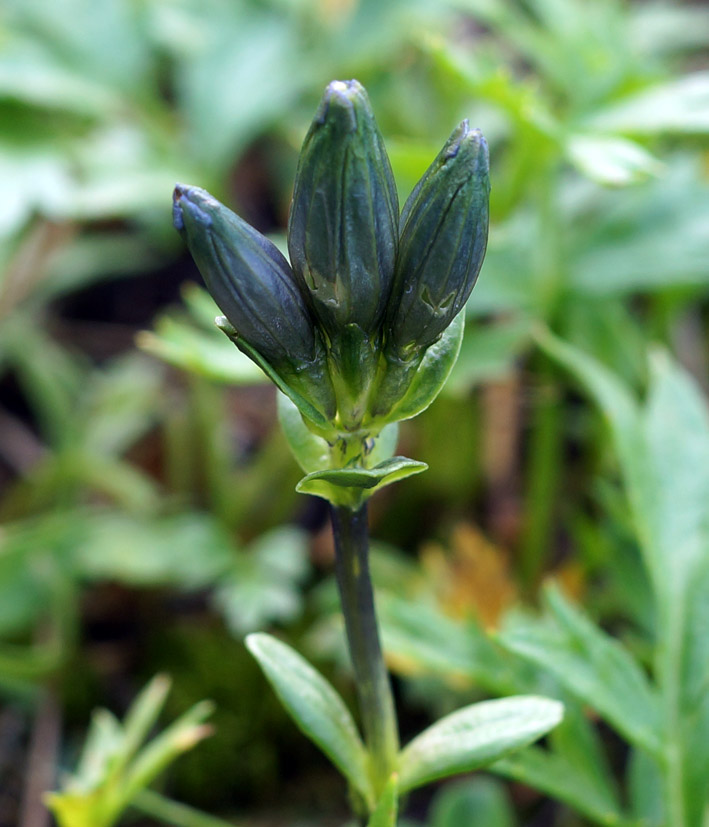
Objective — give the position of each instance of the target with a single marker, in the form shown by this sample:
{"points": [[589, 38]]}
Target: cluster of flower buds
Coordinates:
{"points": [[344, 330]]}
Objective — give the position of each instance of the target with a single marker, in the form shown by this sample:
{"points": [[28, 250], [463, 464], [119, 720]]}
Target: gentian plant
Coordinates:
{"points": [[359, 332]]}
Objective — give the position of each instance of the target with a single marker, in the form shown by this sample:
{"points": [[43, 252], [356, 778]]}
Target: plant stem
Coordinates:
{"points": [[374, 690]]}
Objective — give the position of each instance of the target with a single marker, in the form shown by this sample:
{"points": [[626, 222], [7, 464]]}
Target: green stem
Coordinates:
{"points": [[374, 690], [171, 812]]}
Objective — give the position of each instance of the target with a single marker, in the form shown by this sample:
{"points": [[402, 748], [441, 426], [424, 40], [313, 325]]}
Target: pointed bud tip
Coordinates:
{"points": [[342, 98], [178, 219], [192, 201], [463, 137]]}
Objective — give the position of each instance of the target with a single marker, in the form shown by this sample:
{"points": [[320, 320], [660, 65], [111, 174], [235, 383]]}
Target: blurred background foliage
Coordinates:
{"points": [[148, 514]]}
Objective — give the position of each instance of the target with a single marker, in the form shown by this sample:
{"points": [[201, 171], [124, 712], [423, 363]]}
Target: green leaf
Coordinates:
{"points": [[303, 405], [420, 639], [263, 582], [475, 737], [365, 481], [611, 160], [593, 666], [385, 813], [679, 106], [189, 550], [578, 742], [433, 372], [384, 445], [552, 774], [573, 769], [645, 789], [315, 707], [139, 720], [478, 800], [663, 447], [183, 345], [646, 238], [311, 452], [488, 353]]}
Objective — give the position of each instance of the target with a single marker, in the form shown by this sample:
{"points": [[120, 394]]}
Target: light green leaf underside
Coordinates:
{"points": [[476, 736], [316, 708]]}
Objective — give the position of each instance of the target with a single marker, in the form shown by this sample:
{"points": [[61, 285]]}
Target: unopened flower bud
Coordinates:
{"points": [[343, 227], [444, 227], [253, 285], [248, 277]]}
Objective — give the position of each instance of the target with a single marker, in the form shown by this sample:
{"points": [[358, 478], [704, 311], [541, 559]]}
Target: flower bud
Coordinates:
{"points": [[247, 276], [253, 285], [444, 227], [343, 227]]}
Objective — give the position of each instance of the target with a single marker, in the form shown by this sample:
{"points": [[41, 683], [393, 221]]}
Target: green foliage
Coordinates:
{"points": [[475, 737], [126, 472], [662, 715], [326, 483], [478, 800], [116, 764], [597, 669], [316, 708], [468, 739], [263, 584]]}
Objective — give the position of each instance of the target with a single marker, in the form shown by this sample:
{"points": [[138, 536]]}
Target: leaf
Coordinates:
{"points": [[420, 639], [433, 372], [645, 238], [663, 447], [303, 405], [578, 741], [316, 708], [611, 160], [385, 813], [365, 481], [189, 550], [120, 405], [311, 452], [476, 736], [183, 734], [593, 666], [240, 73], [140, 718], [37, 80], [669, 483], [478, 800], [263, 583], [488, 353], [551, 774], [679, 106], [184, 346], [644, 782]]}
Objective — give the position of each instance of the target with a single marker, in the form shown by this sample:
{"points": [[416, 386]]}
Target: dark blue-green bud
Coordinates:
{"points": [[248, 277], [444, 227], [343, 226]]}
